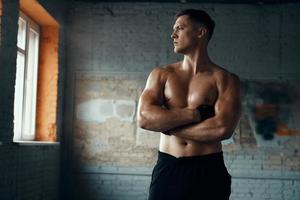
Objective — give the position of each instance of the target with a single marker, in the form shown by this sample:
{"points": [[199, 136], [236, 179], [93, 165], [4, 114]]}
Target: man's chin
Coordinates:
{"points": [[179, 51]]}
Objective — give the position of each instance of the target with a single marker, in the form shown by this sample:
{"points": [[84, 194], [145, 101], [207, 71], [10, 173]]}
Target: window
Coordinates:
{"points": [[37, 72], [26, 79]]}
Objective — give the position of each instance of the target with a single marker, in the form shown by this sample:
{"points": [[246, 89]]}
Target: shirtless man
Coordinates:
{"points": [[195, 104]]}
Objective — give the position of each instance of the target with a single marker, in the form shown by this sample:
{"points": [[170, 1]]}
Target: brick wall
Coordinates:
{"points": [[26, 172], [112, 47]]}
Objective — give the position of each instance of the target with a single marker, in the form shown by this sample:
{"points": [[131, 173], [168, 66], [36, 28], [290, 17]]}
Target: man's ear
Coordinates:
{"points": [[202, 32]]}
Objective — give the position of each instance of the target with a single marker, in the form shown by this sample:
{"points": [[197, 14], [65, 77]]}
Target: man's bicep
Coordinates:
{"points": [[150, 97], [228, 105], [153, 93]]}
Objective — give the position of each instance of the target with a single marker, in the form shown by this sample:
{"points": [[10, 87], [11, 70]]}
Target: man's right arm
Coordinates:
{"points": [[151, 113]]}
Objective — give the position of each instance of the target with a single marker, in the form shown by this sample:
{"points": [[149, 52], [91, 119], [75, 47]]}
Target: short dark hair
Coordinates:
{"points": [[200, 17]]}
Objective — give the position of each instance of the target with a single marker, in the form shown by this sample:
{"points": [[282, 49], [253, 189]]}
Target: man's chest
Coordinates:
{"points": [[190, 92]]}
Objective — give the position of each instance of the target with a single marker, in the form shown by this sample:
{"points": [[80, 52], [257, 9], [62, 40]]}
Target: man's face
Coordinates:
{"points": [[185, 35]]}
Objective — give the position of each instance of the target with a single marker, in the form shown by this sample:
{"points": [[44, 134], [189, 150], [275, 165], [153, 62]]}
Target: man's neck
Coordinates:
{"points": [[196, 61]]}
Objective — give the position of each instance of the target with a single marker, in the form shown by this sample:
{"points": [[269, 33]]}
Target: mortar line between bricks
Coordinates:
{"points": [[265, 178], [233, 177], [122, 174]]}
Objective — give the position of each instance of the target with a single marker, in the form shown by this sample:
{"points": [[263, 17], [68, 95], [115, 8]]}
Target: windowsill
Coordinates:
{"points": [[33, 143]]}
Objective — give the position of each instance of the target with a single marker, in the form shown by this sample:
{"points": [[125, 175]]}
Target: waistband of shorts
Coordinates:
{"points": [[212, 157]]}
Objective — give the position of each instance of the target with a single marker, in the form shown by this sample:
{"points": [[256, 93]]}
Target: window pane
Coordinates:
{"points": [[21, 33], [31, 85], [18, 100]]}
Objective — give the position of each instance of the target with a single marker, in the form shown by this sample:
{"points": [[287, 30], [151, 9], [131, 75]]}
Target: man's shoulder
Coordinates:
{"points": [[222, 73], [165, 69]]}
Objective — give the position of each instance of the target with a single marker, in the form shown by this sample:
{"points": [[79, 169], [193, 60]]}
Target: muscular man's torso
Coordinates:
{"points": [[185, 90]]}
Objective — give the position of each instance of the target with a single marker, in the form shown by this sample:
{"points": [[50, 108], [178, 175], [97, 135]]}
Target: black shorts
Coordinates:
{"points": [[202, 177]]}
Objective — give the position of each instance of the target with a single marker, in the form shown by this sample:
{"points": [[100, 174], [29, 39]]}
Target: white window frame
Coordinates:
{"points": [[26, 81]]}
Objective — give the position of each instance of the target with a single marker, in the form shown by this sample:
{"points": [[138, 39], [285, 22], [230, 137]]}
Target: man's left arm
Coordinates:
{"points": [[227, 114]]}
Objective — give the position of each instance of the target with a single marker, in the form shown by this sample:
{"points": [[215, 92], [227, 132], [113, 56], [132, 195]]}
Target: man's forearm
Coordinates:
{"points": [[207, 131], [156, 118]]}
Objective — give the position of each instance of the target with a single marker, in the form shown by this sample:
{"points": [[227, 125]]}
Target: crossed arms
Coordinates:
{"points": [[186, 122]]}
